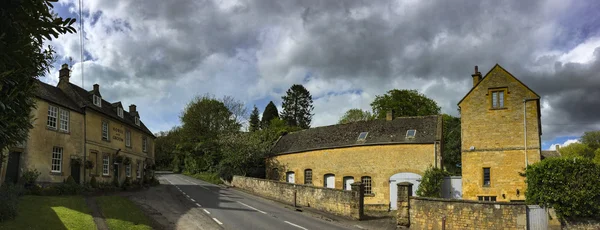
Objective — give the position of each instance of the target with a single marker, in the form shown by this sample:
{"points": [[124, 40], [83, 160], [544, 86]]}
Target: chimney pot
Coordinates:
{"points": [[390, 115], [557, 147], [64, 73], [132, 108]]}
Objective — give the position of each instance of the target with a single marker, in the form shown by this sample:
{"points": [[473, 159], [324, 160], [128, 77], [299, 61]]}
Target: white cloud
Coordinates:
{"points": [[567, 142]]}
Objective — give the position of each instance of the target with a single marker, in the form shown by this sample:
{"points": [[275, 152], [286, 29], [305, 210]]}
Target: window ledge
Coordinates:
{"points": [[501, 108], [107, 176], [486, 186], [370, 195], [56, 173]]}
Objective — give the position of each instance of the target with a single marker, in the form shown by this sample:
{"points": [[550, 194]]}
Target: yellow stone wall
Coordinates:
{"points": [[497, 136], [38, 151], [379, 162], [96, 147]]}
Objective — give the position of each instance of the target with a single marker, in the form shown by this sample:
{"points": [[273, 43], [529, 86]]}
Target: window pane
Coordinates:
{"points": [[308, 176], [494, 99], [366, 180], [52, 115], [486, 176], [501, 99]]}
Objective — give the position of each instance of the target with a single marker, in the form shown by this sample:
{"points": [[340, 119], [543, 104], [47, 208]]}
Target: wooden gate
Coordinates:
{"points": [[537, 217]]}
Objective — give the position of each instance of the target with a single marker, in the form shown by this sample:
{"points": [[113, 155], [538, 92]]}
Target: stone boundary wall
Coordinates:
{"points": [[339, 202], [582, 224]]}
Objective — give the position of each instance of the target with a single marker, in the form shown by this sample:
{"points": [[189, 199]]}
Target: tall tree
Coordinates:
{"points": [[297, 107], [591, 139], [269, 114], [577, 150], [452, 144], [254, 120], [25, 25], [404, 103], [204, 118], [354, 115], [237, 108]]}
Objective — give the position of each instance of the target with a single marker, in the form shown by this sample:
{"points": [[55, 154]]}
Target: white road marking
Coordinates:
{"points": [[252, 208], [207, 212], [218, 222], [198, 205], [204, 187], [192, 200], [295, 225]]}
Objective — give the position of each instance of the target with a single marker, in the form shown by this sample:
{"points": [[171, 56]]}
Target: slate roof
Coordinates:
{"points": [[549, 154], [81, 99], [345, 135]]}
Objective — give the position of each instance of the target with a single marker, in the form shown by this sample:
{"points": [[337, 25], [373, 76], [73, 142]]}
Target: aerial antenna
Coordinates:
{"points": [[81, 38]]}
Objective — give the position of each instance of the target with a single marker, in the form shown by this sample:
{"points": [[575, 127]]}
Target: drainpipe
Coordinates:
{"points": [[84, 144], [525, 126]]}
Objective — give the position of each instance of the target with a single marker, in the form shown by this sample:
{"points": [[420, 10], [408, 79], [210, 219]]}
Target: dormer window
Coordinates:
{"points": [[137, 121], [120, 112], [411, 133], [97, 101]]}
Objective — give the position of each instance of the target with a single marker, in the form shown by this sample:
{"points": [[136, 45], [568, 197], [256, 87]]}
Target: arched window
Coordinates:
{"points": [[290, 177], [308, 176], [366, 180], [348, 180], [329, 180]]}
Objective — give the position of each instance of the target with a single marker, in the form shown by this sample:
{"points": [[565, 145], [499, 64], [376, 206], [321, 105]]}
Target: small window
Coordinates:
{"points": [[362, 136], [97, 101], [348, 180], [329, 180], [137, 121], [138, 170], [486, 176], [366, 180], [498, 99], [52, 116], [105, 130], [128, 170], [411, 133], [57, 154], [144, 144], [290, 177], [105, 165], [127, 138], [120, 112], [308, 176], [486, 198], [64, 120]]}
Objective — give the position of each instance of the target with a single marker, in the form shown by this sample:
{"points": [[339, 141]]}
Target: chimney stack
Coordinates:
{"points": [[476, 76], [557, 147], [64, 73], [96, 88], [390, 115], [132, 108]]}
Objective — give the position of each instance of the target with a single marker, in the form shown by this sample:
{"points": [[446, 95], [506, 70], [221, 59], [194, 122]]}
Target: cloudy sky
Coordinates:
{"points": [[160, 54]]}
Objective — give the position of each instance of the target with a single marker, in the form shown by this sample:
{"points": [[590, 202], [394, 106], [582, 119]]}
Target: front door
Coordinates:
{"points": [[75, 171], [116, 172], [290, 177], [348, 182], [12, 168]]}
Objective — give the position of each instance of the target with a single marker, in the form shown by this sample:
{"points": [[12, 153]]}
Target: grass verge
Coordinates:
{"points": [[51, 212], [205, 176], [121, 213]]}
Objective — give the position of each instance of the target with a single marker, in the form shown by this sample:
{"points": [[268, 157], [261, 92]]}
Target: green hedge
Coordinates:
{"points": [[569, 185], [9, 201]]}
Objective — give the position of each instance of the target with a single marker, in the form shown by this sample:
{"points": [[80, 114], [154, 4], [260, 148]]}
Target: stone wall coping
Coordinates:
{"points": [[301, 185], [467, 201]]}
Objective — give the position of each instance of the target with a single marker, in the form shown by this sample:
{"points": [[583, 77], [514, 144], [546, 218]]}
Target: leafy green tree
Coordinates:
{"points": [[431, 183], [591, 139], [452, 144], [404, 103], [354, 115], [297, 107], [597, 156], [25, 25], [577, 150], [254, 120], [269, 114], [569, 185], [165, 148]]}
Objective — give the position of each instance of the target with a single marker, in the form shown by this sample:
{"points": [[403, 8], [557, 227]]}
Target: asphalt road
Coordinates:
{"points": [[233, 209]]}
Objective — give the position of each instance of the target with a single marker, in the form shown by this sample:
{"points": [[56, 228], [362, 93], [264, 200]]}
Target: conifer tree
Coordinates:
{"points": [[269, 114], [254, 120], [297, 107]]}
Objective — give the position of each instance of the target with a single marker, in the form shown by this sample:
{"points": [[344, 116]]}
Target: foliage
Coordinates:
{"points": [[354, 115], [26, 25], [127, 161], [569, 185], [29, 177], [70, 180], [208, 177], [597, 156], [121, 213], [51, 213], [297, 107], [205, 117], [431, 183], [126, 184], [165, 148], [269, 114], [89, 164], [9, 201], [452, 144], [254, 120], [591, 139], [577, 150], [405, 103], [238, 110], [94, 182]]}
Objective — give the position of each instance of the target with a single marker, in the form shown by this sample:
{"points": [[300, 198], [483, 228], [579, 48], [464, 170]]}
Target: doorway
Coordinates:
{"points": [[348, 180], [412, 178], [290, 177], [76, 170], [329, 180], [12, 168]]}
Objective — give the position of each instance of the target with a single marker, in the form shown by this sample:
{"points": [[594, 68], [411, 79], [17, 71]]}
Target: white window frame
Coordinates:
{"points": [[105, 137], [105, 165], [498, 99], [97, 101], [120, 112], [128, 170], [64, 120], [127, 138], [137, 121], [144, 144], [52, 117], [56, 163]]}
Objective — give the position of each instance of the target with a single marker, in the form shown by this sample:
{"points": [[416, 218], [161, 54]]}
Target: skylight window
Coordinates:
{"points": [[362, 136], [97, 101], [411, 133]]}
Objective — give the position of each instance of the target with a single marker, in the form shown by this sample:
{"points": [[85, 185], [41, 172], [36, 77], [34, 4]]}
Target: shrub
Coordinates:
{"points": [[431, 183], [569, 185], [70, 180], [115, 182], [29, 177], [35, 190], [9, 201], [50, 191], [89, 164], [126, 184], [93, 182], [154, 182]]}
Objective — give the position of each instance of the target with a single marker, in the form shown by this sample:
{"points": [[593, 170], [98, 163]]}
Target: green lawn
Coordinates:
{"points": [[51, 212], [121, 213]]}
